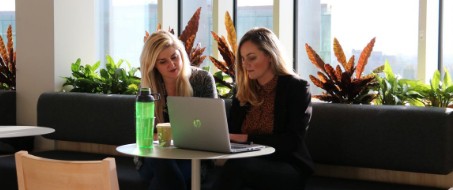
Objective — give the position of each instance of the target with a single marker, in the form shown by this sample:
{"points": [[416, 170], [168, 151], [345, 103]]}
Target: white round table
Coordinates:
{"points": [[23, 131], [194, 155]]}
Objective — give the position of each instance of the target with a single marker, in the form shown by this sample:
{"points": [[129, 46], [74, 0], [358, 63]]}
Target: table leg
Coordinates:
{"points": [[196, 174]]}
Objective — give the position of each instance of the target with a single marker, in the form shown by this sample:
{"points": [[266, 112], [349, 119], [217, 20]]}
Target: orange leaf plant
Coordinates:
{"points": [[7, 62], [227, 49], [340, 83]]}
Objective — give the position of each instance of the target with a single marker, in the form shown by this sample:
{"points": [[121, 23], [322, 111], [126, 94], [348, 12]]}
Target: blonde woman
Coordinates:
{"points": [[165, 68], [272, 106]]}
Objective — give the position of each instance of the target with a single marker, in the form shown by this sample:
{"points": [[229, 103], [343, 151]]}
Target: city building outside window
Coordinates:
{"points": [[253, 13]]}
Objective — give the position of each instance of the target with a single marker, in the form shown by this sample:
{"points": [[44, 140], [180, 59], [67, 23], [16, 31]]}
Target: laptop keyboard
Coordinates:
{"points": [[238, 146]]}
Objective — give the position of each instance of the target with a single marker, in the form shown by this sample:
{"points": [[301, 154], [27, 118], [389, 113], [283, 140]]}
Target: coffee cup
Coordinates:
{"points": [[164, 134]]}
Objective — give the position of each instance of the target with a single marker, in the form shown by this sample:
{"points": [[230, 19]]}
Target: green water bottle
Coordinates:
{"points": [[144, 118]]}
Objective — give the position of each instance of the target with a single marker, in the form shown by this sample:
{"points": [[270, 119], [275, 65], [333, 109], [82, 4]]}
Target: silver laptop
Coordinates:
{"points": [[201, 124]]}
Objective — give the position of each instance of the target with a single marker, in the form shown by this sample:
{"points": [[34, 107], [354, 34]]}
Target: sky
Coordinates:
{"points": [[7, 5], [395, 27]]}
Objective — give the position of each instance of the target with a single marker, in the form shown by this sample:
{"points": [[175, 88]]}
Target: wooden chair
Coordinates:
{"points": [[36, 173]]}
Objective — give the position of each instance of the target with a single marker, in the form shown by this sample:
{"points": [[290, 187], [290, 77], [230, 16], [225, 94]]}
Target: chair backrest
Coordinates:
{"points": [[41, 173]]}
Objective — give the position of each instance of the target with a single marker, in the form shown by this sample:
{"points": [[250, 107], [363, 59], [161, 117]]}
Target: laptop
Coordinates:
{"points": [[201, 124]]}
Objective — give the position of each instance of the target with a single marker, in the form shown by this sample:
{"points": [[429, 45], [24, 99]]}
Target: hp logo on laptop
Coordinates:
{"points": [[197, 123]]}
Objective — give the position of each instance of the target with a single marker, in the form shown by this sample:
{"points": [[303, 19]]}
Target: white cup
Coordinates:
{"points": [[164, 134]]}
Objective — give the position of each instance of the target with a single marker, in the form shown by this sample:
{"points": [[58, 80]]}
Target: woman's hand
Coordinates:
{"points": [[239, 138]]}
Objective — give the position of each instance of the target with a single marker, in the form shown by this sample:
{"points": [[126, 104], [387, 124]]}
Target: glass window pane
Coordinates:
{"points": [[354, 23], [253, 13], [448, 36], [204, 36], [7, 17], [124, 23]]}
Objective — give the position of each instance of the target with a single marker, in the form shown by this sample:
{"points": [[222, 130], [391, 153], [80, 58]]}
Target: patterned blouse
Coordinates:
{"points": [[260, 119]]}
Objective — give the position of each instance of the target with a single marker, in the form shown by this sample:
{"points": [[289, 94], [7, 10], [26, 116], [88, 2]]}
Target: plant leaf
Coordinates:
{"points": [[314, 57], [447, 80], [226, 53], [191, 30], [229, 25], [331, 73], [338, 50], [3, 53], [316, 81], [363, 59], [435, 81], [146, 36], [338, 72], [350, 65]]}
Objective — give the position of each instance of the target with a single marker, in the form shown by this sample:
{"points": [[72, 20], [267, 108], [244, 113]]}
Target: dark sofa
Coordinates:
{"points": [[353, 146], [397, 147], [87, 127], [95, 121], [8, 117]]}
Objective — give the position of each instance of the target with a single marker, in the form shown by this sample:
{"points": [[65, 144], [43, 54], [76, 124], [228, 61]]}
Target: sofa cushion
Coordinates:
{"points": [[86, 117], [405, 138]]}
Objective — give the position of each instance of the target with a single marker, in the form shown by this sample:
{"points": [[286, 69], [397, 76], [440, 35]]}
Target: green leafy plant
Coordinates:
{"points": [[340, 84], [439, 93], [7, 62], [113, 79], [393, 90]]}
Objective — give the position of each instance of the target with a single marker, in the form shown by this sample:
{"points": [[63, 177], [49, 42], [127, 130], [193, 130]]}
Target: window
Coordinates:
{"points": [[448, 36], [354, 23], [204, 36], [7, 17], [123, 26], [253, 13]]}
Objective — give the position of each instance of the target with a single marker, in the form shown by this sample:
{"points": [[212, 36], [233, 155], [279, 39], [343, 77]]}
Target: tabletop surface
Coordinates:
{"points": [[23, 131], [177, 153]]}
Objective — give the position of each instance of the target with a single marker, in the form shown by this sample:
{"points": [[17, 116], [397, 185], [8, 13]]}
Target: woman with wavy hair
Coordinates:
{"points": [[165, 68], [272, 106]]}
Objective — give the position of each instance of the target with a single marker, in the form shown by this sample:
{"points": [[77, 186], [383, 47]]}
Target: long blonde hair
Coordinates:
{"points": [[151, 77], [267, 42]]}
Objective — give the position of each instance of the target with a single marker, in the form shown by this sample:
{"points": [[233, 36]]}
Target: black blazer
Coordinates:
{"points": [[292, 115]]}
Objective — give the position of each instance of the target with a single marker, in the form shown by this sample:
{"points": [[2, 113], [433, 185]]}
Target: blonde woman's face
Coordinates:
{"points": [[256, 63], [169, 63]]}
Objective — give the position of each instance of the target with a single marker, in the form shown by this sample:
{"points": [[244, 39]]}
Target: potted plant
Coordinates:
{"points": [[113, 79], [394, 90], [344, 83], [439, 91]]}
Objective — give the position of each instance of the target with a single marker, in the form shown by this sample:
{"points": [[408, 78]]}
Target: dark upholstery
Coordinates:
{"points": [[83, 117], [404, 138], [326, 183], [7, 107], [8, 117], [91, 118]]}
